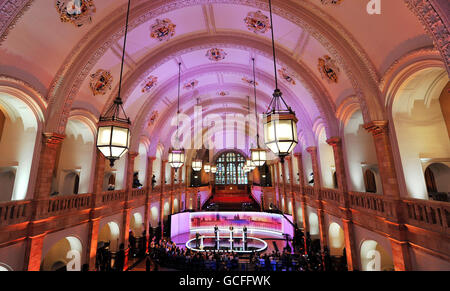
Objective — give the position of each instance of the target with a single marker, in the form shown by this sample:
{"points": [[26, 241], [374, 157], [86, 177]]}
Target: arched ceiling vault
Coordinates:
{"points": [[305, 30], [93, 45]]}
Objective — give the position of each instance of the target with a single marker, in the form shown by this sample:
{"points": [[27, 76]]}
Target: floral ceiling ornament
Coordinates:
{"points": [[223, 93], [163, 29], [328, 69], [257, 22], [216, 54], [149, 83], [101, 82], [248, 81], [153, 118], [333, 2], [287, 76], [78, 12], [190, 85]]}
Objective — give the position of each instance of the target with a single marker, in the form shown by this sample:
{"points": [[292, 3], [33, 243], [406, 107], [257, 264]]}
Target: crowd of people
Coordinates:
{"points": [[306, 255], [167, 254]]}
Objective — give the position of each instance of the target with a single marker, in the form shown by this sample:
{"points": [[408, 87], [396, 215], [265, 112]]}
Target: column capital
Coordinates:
{"points": [[151, 158], [51, 138], [377, 127], [311, 150], [297, 155], [132, 155], [334, 141]]}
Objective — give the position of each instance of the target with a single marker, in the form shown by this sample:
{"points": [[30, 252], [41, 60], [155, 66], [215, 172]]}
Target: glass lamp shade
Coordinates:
{"points": [[280, 132], [259, 156], [197, 165], [113, 139], [176, 159], [213, 169], [207, 168]]}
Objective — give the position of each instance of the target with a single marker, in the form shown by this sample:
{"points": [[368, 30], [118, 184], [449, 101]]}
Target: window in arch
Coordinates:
{"points": [[430, 181], [2, 123], [369, 180], [230, 169]]}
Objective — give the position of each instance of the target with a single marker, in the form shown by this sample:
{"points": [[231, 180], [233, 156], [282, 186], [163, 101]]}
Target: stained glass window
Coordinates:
{"points": [[230, 169]]}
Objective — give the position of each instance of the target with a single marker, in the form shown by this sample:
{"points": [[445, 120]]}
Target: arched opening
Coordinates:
{"points": [[374, 257], [335, 180], [109, 236], [7, 178], [140, 165], [5, 268], [420, 126], [230, 169], [71, 184], [18, 132], [313, 224], [437, 180], [360, 152], [75, 158], [68, 250], [326, 160], [136, 224], [336, 239], [370, 182]]}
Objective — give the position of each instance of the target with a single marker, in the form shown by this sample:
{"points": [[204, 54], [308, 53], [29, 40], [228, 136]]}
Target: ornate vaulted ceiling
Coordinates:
{"points": [[328, 52]]}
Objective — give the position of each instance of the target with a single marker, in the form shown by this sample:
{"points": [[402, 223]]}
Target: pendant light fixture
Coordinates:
{"points": [[176, 156], [280, 122], [113, 135], [207, 168], [258, 154]]}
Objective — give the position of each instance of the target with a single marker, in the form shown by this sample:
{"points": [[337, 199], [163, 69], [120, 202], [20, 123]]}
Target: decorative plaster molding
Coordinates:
{"points": [[434, 25]]}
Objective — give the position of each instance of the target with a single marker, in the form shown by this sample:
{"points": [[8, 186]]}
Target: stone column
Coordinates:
{"points": [[291, 188], [302, 194], [91, 251], [51, 142], [172, 190], [317, 185], [150, 161], [349, 233], [336, 143], [33, 252], [161, 199], [283, 174], [391, 193], [277, 184]]}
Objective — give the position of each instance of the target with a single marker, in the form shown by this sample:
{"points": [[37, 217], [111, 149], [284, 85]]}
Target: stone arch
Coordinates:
{"points": [[336, 239], [110, 233], [58, 254], [416, 114], [356, 67], [373, 257], [21, 107]]}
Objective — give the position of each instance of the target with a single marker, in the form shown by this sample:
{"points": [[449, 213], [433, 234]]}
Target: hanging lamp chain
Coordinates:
{"points": [[256, 111], [178, 106], [275, 104]]}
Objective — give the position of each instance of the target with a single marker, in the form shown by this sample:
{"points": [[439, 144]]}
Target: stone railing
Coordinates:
{"points": [[157, 189], [14, 212], [373, 203], [136, 193], [333, 195], [112, 196], [62, 204], [309, 191], [428, 214]]}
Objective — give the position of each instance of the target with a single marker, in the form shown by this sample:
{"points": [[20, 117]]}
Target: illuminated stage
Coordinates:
{"points": [[261, 228]]}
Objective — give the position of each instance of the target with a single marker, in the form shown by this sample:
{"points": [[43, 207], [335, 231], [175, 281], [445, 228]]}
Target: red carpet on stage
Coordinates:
{"points": [[231, 198]]}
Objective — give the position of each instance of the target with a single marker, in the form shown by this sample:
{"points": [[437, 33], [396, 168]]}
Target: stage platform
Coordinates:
{"points": [[269, 227]]}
